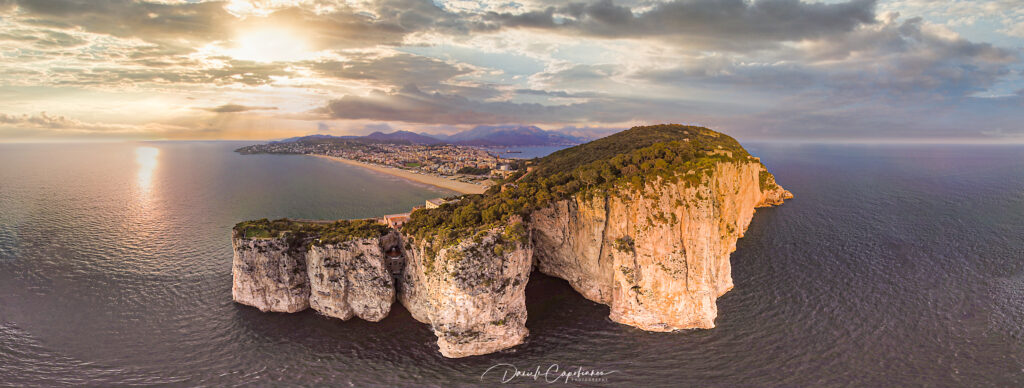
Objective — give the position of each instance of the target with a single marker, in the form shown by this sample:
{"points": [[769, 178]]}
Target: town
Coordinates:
{"points": [[460, 163]]}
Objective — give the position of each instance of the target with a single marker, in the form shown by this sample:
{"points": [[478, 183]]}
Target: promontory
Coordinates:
{"points": [[643, 221]]}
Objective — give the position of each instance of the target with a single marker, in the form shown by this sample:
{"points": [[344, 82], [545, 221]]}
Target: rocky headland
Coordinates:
{"points": [[643, 221]]}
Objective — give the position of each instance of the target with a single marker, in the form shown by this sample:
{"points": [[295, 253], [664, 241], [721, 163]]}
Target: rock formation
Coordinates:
{"points": [[659, 257], [472, 293], [643, 221], [283, 270], [351, 278], [269, 274]]}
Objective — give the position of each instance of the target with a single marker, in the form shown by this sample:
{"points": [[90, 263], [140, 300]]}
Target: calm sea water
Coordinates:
{"points": [[894, 265]]}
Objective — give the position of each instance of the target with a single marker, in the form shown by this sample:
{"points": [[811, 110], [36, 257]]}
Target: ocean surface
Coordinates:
{"points": [[893, 266]]}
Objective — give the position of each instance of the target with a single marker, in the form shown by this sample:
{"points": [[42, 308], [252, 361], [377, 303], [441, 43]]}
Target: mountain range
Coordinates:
{"points": [[483, 135]]}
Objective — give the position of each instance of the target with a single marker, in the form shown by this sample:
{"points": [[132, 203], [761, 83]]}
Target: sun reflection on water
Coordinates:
{"points": [[146, 159]]}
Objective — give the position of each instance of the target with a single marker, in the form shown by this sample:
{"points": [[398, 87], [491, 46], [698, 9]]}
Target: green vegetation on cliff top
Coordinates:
{"points": [[623, 162], [324, 232]]}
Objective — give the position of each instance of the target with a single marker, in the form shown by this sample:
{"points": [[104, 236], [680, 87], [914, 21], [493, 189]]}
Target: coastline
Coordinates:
{"points": [[433, 180]]}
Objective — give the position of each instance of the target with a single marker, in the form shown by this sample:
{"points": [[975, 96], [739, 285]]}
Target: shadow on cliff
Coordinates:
{"points": [[382, 340], [556, 315]]}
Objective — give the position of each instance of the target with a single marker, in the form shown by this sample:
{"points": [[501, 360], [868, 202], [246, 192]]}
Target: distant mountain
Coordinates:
{"points": [[314, 138], [403, 136], [483, 135], [398, 137], [511, 135]]}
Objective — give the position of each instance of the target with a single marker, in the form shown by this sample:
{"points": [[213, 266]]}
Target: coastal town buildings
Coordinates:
{"points": [[444, 160], [435, 203]]}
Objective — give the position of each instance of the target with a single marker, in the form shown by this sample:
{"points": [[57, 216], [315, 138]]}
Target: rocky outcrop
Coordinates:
{"points": [[290, 273], [269, 274], [351, 279], [472, 292], [771, 193], [659, 257]]}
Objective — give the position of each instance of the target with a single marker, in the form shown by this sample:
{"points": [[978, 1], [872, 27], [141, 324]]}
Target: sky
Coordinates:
{"points": [[788, 70]]}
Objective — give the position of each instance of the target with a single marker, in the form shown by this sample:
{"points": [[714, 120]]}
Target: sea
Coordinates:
{"points": [[894, 265]]}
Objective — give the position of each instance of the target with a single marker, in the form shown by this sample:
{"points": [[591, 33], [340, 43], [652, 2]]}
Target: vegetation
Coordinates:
{"points": [[767, 181], [623, 162], [625, 244], [474, 170], [321, 232]]}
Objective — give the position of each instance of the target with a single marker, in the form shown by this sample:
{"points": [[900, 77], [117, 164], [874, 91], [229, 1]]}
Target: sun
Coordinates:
{"points": [[270, 45]]}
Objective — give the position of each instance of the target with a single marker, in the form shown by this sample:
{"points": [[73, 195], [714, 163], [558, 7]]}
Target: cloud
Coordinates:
{"points": [[55, 124], [400, 69], [41, 120], [894, 59], [1016, 29], [752, 67], [709, 23], [234, 108], [149, 70], [410, 104], [186, 25], [179, 25], [557, 93], [727, 24]]}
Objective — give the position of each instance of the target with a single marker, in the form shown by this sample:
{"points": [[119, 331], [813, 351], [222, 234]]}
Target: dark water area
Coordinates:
{"points": [[894, 265]]}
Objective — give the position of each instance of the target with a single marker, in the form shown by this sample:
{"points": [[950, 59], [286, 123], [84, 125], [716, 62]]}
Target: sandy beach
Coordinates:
{"points": [[433, 180]]}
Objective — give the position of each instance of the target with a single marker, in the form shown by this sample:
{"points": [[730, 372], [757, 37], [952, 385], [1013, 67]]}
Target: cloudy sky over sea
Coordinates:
{"points": [[769, 69]]}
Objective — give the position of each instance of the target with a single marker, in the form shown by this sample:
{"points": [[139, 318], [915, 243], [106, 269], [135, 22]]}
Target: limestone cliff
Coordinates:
{"points": [[658, 256], [350, 278], [269, 274], [472, 292], [338, 269], [643, 221]]}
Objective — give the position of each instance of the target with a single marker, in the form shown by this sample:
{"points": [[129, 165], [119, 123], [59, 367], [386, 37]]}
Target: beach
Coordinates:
{"points": [[433, 180]]}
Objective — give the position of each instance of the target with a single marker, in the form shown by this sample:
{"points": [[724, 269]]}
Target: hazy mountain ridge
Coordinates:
{"points": [[483, 135], [511, 135]]}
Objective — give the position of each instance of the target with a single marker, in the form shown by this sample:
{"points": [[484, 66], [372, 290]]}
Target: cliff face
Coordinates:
{"points": [[340, 280], [269, 274], [472, 293], [659, 257], [350, 278], [643, 221]]}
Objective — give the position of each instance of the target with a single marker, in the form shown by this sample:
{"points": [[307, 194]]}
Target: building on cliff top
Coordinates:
{"points": [[436, 203], [396, 220]]}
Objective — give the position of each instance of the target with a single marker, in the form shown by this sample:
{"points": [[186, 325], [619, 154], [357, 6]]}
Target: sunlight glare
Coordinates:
{"points": [[146, 159], [270, 45]]}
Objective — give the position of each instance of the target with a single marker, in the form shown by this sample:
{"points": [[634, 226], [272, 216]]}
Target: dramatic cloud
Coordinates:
{"points": [[891, 59], [388, 71], [831, 69], [710, 23], [179, 24], [412, 105]]}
